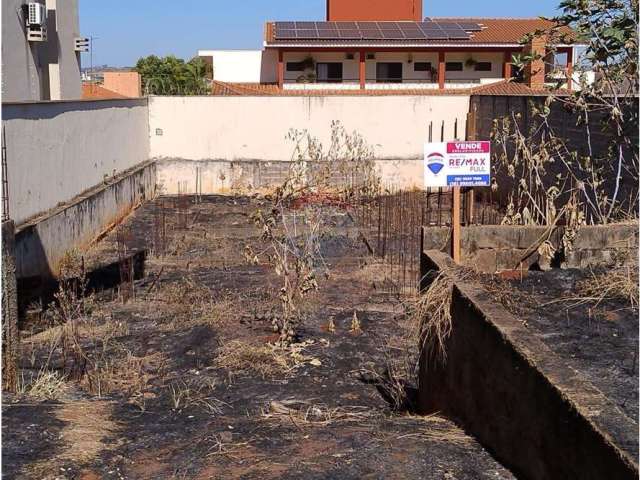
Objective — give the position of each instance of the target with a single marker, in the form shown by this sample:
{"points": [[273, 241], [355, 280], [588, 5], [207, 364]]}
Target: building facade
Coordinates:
{"points": [[386, 45], [45, 67]]}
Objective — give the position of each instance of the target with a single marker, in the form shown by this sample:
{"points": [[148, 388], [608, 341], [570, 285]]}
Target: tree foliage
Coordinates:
{"points": [[600, 180], [173, 76]]}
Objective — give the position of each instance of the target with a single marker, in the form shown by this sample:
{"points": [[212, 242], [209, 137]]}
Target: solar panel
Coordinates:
{"points": [[372, 34], [436, 35], [347, 25], [305, 25], [350, 34], [367, 25], [427, 30], [286, 33], [307, 33], [456, 34], [328, 34]]}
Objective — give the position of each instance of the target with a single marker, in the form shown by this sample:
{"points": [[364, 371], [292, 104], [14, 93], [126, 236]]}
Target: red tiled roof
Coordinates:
{"points": [[511, 88], [504, 87], [256, 89], [503, 30], [92, 91], [496, 31]]}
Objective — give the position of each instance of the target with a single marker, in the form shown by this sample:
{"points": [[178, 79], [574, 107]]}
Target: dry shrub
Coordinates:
{"points": [[195, 393], [238, 357], [431, 315], [619, 283], [46, 385], [185, 295]]}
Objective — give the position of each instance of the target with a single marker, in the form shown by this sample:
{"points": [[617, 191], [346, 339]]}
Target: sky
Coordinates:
{"points": [[125, 30]]}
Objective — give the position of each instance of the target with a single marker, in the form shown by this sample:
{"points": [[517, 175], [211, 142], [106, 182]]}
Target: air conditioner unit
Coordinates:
{"points": [[37, 15], [36, 21], [82, 44]]}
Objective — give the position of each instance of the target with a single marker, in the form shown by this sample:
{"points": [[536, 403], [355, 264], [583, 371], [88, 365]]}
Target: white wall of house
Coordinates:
{"points": [[469, 72], [411, 77], [243, 66]]}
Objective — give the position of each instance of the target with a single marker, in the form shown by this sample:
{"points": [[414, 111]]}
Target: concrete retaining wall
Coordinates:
{"points": [[493, 249], [176, 176], [539, 418], [232, 129], [42, 242], [57, 150]]}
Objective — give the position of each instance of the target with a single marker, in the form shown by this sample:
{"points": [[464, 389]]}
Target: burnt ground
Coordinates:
{"points": [[597, 338], [181, 381]]}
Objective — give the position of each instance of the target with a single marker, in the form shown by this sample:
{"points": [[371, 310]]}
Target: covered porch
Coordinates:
{"points": [[400, 68]]}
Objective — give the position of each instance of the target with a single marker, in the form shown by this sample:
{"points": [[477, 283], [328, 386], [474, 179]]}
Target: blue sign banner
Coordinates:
{"points": [[468, 180]]}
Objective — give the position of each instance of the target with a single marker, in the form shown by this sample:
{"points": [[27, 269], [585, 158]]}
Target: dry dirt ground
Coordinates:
{"points": [[182, 381]]}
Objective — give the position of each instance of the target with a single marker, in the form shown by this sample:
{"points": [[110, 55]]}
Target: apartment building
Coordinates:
{"points": [[41, 48]]}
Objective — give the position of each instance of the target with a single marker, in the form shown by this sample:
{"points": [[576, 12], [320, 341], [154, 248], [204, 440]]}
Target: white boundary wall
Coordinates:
{"points": [[57, 150], [255, 128]]}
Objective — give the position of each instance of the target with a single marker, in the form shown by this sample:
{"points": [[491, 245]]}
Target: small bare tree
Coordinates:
{"points": [[296, 217]]}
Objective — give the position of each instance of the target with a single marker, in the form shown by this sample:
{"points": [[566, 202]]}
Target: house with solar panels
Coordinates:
{"points": [[389, 45]]}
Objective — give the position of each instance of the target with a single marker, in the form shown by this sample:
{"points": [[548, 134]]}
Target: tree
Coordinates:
{"points": [[605, 179], [173, 76]]}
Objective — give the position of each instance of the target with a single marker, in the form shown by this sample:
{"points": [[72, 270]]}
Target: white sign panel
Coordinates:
{"points": [[457, 164]]}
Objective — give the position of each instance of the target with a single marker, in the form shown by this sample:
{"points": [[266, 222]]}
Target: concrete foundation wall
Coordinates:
{"points": [[57, 150], [537, 417], [179, 176], [255, 128], [493, 249], [41, 244]]}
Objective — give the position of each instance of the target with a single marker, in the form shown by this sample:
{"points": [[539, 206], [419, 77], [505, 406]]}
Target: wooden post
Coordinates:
{"points": [[570, 69], [363, 70], [455, 225], [280, 69], [441, 70]]}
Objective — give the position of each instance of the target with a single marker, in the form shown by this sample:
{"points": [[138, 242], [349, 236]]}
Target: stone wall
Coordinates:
{"points": [[493, 249]]}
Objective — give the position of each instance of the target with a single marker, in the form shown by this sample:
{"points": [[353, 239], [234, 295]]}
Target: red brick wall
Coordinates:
{"points": [[374, 10], [535, 70]]}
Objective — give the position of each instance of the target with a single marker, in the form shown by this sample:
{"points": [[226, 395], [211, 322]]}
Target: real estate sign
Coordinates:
{"points": [[457, 164]]}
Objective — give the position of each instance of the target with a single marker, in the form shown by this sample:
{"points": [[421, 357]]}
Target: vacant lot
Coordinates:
{"points": [[183, 381]]}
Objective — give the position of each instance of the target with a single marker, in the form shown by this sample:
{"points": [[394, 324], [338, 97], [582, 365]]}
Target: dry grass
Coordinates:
{"points": [[619, 283], [267, 360], [435, 428], [45, 385], [308, 413], [195, 393], [238, 357]]}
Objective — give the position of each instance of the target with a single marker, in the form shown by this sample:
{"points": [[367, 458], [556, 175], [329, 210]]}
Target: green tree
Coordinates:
{"points": [[605, 100], [173, 76]]}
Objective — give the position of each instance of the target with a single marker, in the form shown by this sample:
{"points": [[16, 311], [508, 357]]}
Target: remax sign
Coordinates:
{"points": [[457, 164]]}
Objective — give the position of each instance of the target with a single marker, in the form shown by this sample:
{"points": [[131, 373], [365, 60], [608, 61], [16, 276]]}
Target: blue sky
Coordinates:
{"points": [[129, 29]]}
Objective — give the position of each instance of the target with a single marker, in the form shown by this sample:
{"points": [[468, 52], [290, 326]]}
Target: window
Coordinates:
{"points": [[454, 66], [329, 72], [483, 67], [422, 67], [295, 66], [389, 72]]}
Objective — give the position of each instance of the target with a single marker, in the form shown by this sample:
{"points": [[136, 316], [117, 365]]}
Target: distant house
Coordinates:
{"points": [[387, 44]]}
